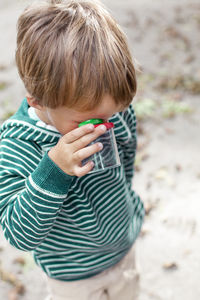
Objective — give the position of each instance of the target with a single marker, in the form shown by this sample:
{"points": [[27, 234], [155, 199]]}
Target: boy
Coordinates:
{"points": [[80, 226]]}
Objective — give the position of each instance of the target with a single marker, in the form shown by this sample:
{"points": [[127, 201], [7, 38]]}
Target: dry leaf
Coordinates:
{"points": [[12, 279], [15, 292], [20, 260], [170, 266]]}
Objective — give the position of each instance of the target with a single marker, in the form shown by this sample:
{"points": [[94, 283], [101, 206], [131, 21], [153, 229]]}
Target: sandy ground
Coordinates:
{"points": [[164, 38]]}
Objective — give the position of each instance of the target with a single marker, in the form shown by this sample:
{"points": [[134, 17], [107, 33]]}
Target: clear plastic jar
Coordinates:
{"points": [[108, 157]]}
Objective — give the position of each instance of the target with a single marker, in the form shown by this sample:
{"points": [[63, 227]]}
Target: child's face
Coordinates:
{"points": [[66, 119]]}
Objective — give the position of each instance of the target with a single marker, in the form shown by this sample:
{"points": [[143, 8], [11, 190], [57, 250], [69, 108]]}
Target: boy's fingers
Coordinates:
{"points": [[77, 133], [87, 139], [81, 171], [88, 151]]}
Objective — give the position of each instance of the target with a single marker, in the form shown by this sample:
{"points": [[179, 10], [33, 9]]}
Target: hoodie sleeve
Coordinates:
{"points": [[129, 147], [32, 191]]}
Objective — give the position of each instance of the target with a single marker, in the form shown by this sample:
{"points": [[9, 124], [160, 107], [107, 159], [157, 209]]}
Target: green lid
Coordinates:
{"points": [[91, 121]]}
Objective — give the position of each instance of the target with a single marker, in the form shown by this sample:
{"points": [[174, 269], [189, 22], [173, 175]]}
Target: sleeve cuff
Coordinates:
{"points": [[50, 177]]}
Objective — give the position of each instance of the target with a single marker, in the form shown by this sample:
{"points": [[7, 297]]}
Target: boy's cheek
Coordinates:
{"points": [[66, 129]]}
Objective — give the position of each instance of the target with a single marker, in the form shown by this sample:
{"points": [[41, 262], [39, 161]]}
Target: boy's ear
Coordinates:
{"points": [[33, 102]]}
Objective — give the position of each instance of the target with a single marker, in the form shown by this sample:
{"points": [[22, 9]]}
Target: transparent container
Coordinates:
{"points": [[108, 157]]}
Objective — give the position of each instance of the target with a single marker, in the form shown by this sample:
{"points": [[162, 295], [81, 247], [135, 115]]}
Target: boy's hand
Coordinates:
{"points": [[72, 149]]}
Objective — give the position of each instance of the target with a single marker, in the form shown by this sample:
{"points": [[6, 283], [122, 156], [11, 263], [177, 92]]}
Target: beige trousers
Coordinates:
{"points": [[120, 282]]}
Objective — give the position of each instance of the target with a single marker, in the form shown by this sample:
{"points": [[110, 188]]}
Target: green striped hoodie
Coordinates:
{"points": [[75, 227]]}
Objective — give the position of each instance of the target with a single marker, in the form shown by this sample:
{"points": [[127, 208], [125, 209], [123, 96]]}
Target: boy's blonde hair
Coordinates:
{"points": [[72, 53]]}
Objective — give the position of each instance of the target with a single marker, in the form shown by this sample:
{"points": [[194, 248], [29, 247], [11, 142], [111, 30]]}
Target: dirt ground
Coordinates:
{"points": [[164, 39]]}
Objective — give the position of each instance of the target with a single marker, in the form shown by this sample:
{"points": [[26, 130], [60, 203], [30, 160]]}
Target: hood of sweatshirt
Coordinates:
{"points": [[22, 126]]}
